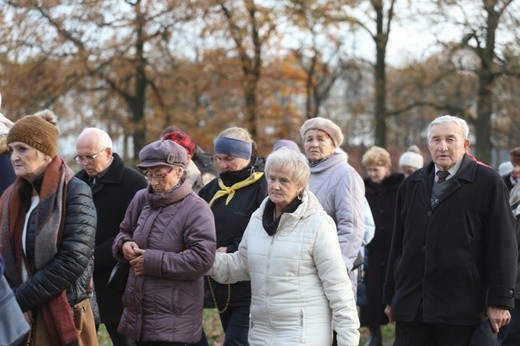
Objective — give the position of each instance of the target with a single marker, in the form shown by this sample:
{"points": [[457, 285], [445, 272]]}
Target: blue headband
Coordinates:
{"points": [[233, 147]]}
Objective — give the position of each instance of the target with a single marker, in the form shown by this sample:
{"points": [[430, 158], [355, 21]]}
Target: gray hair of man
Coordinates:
{"points": [[102, 138], [292, 162], [461, 123]]}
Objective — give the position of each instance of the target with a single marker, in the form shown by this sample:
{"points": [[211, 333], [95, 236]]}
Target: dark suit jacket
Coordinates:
{"points": [[111, 193], [456, 258]]}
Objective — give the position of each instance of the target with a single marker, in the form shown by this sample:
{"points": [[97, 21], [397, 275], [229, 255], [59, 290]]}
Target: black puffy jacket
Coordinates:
{"points": [[72, 267]]}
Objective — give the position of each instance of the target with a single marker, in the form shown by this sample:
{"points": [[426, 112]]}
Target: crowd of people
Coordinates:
{"points": [[297, 250]]}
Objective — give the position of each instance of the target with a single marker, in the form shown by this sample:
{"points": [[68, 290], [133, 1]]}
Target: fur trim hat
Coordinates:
{"points": [[38, 130], [515, 155], [325, 125], [412, 159], [162, 153]]}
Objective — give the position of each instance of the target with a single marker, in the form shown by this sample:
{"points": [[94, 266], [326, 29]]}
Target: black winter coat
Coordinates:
{"points": [[230, 223], [72, 266], [381, 198], [111, 193], [456, 258]]}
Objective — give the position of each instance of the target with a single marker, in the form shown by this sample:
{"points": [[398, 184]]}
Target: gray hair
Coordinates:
{"points": [[461, 123], [103, 139], [289, 160]]}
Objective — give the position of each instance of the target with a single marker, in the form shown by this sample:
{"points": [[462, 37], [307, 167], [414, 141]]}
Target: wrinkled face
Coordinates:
{"points": [[27, 161], [90, 156], [282, 188], [447, 145], [163, 178], [227, 163], [317, 145], [377, 173]]}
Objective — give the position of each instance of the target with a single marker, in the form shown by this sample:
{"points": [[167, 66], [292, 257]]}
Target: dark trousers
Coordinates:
{"points": [[235, 322], [118, 339], [432, 334]]}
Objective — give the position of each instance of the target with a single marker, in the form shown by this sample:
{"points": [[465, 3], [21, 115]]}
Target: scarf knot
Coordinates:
{"points": [[229, 191]]}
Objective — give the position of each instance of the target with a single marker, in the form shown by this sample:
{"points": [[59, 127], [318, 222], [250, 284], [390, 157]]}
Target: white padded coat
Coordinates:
{"points": [[300, 287]]}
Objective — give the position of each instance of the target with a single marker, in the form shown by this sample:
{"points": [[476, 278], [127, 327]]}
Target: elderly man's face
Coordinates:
{"points": [[447, 144]]}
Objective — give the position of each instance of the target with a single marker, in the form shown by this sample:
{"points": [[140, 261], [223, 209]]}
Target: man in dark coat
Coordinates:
{"points": [[113, 186], [453, 257]]}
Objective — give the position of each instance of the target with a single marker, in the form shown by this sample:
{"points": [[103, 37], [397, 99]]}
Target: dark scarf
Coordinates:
{"points": [[49, 220], [271, 223]]}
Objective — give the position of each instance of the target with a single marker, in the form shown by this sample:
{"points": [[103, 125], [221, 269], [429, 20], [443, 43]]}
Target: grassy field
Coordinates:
{"points": [[215, 335]]}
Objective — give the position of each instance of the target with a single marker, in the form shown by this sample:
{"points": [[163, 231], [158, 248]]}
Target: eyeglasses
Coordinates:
{"points": [[159, 175], [87, 158]]}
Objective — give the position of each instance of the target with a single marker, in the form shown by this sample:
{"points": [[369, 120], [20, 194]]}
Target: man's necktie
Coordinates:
{"points": [[442, 176]]}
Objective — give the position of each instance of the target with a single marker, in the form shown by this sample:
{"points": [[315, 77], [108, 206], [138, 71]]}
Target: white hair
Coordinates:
{"points": [[461, 123]]}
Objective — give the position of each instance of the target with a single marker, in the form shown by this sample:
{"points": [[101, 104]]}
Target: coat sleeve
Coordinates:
{"points": [[395, 249], [230, 268], [74, 252], [336, 283], [502, 249], [349, 211]]}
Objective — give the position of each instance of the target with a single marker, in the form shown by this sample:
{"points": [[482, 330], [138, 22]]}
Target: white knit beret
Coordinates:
{"points": [[325, 125], [412, 159]]}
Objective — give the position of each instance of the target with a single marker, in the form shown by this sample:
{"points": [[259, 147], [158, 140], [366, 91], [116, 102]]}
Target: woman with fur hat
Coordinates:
{"points": [[337, 185], [47, 227]]}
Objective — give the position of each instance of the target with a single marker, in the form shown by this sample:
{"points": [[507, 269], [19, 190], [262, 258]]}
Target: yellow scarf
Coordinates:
{"points": [[225, 190]]}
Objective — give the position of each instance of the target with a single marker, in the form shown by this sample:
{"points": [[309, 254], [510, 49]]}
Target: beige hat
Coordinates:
{"points": [[324, 125]]}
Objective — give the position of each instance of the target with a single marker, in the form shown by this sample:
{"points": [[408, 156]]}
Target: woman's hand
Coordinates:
{"points": [[138, 263], [130, 250]]}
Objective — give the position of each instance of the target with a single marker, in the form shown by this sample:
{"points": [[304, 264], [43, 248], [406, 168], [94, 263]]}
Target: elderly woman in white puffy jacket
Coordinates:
{"points": [[291, 254]]}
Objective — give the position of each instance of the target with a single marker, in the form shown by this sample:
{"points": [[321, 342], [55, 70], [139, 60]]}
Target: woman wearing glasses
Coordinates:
{"points": [[168, 238]]}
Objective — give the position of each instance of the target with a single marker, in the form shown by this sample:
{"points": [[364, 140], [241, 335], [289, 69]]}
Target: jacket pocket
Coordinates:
{"points": [[302, 326]]}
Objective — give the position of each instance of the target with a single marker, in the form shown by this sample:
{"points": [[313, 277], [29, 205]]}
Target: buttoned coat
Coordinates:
{"points": [[456, 257]]}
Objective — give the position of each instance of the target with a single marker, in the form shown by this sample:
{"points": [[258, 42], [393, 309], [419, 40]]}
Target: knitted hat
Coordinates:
{"points": [[515, 155], [38, 131], [412, 159], [183, 139], [162, 153], [324, 125]]}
